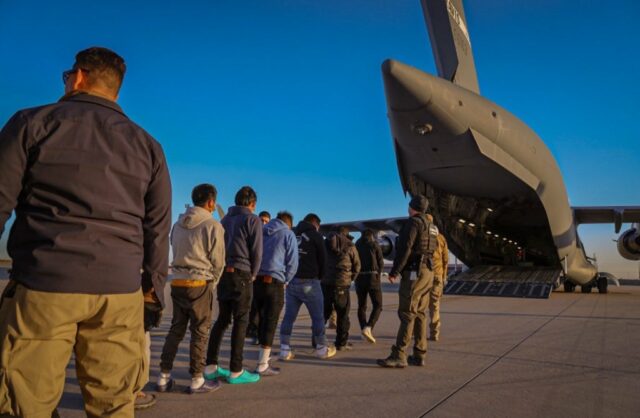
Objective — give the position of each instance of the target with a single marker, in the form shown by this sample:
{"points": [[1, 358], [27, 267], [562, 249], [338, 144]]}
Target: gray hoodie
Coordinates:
{"points": [[197, 241]]}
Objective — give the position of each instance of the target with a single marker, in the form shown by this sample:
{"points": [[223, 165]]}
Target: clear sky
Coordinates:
{"points": [[287, 95]]}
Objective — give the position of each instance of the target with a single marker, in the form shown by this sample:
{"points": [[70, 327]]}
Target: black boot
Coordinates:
{"points": [[392, 362], [416, 361]]}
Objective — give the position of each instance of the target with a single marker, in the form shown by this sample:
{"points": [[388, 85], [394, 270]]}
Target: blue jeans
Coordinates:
{"points": [[309, 292]]}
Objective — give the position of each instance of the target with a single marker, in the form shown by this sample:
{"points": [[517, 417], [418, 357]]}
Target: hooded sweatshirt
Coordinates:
{"points": [[371, 262], [279, 251], [198, 246], [243, 238], [311, 252]]}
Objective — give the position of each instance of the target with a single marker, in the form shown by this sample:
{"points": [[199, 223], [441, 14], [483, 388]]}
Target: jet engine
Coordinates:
{"points": [[387, 242], [629, 243]]}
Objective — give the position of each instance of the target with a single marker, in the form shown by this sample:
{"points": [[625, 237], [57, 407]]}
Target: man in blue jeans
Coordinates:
{"points": [[305, 289]]}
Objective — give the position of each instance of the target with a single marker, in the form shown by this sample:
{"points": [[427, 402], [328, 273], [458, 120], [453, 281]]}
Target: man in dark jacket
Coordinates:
{"points": [[368, 282], [243, 244], [92, 199], [343, 266], [305, 289], [417, 241]]}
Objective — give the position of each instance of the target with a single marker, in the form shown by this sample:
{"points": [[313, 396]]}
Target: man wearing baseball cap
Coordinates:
{"points": [[417, 241]]}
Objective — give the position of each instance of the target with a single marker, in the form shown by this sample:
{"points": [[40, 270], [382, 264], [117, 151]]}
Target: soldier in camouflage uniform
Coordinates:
{"points": [[440, 265]]}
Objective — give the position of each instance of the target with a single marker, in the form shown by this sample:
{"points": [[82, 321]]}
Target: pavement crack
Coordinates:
{"points": [[497, 360]]}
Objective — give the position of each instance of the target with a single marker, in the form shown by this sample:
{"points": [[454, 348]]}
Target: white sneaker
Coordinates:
{"points": [[286, 354], [326, 352], [163, 379], [366, 333]]}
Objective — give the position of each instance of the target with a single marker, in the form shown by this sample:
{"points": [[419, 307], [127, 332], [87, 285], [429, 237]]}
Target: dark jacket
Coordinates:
{"points": [[343, 262], [312, 255], [409, 239], [243, 239], [371, 261], [92, 197]]}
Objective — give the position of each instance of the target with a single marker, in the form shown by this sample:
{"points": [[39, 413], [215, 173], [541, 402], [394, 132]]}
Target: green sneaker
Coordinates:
{"points": [[245, 377], [220, 372]]}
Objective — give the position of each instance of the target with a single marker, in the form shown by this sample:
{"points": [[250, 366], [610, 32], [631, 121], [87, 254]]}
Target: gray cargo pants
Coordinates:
{"points": [[412, 308]]}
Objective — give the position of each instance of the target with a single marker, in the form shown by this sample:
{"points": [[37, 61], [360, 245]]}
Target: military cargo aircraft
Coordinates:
{"points": [[495, 190]]}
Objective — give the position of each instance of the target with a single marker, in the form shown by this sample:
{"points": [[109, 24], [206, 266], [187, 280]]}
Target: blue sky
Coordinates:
{"points": [[287, 95]]}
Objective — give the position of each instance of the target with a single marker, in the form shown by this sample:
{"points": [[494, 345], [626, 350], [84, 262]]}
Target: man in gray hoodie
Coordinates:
{"points": [[198, 260]]}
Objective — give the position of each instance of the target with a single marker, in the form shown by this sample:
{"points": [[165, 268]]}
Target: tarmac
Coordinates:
{"points": [[572, 355]]}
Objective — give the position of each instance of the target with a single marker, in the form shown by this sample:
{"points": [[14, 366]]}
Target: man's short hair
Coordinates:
{"points": [[313, 218], [265, 214], [285, 217], [343, 230], [246, 196], [102, 65], [202, 193]]}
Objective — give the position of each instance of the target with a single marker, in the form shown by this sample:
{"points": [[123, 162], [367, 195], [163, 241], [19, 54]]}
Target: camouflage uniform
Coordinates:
{"points": [[440, 265]]}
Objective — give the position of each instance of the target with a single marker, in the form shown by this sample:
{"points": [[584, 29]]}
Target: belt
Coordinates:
{"points": [[230, 269], [265, 278], [188, 283]]}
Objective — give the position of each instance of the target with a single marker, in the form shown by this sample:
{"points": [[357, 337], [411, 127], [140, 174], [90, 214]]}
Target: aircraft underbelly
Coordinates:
{"points": [[482, 181]]}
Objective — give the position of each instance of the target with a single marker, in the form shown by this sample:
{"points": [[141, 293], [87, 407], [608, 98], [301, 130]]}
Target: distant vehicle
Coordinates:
{"points": [[495, 189]]}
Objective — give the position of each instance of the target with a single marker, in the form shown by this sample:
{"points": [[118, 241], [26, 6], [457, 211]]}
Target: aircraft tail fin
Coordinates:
{"points": [[450, 42]]}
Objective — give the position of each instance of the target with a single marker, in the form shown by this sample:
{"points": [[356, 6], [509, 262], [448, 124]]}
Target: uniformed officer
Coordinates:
{"points": [[440, 266], [417, 242]]}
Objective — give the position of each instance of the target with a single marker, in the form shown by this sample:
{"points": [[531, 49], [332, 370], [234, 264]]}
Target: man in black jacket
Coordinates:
{"points": [[368, 282], [417, 241], [343, 266], [305, 289], [92, 199]]}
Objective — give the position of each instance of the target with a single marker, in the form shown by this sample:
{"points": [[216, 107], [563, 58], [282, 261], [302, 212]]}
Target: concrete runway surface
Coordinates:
{"points": [[573, 355]]}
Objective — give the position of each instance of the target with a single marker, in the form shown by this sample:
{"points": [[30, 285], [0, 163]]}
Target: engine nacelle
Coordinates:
{"points": [[387, 242], [629, 243]]}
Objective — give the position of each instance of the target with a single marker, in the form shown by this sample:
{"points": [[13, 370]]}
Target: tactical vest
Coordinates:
{"points": [[427, 240]]}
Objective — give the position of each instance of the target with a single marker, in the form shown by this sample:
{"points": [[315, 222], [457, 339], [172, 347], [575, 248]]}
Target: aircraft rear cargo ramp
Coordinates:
{"points": [[509, 281]]}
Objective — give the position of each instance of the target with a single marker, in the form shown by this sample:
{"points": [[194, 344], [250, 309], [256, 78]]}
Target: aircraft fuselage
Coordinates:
{"points": [[496, 191]]}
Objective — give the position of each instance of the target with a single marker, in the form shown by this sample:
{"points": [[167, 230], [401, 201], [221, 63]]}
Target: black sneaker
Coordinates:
{"points": [[416, 361], [346, 347], [392, 362]]}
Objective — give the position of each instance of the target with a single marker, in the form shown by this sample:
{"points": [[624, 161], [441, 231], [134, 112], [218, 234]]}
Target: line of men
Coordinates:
{"points": [[255, 259], [89, 245]]}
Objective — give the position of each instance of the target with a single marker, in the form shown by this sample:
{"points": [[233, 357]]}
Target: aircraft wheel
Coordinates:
{"points": [[586, 288], [569, 287], [603, 285]]}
